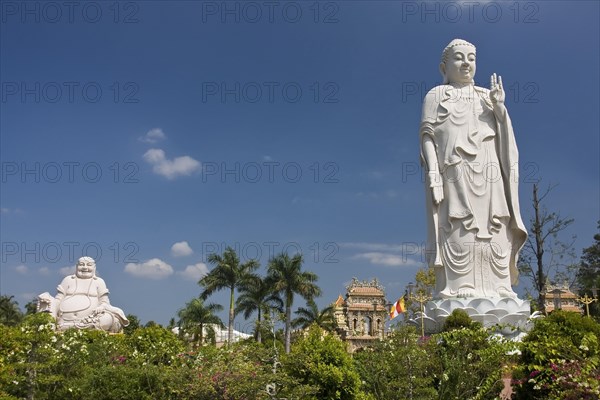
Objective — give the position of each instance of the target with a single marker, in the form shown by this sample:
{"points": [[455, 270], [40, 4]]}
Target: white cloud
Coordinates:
{"points": [[387, 259], [171, 169], [181, 249], [44, 271], [64, 271], [194, 272], [22, 269], [373, 246], [406, 254], [154, 268], [153, 136], [5, 210]]}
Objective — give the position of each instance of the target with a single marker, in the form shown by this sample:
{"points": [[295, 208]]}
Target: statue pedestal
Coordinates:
{"points": [[512, 317]]}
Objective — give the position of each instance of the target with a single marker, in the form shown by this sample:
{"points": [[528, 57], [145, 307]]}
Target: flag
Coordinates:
{"points": [[397, 308]]}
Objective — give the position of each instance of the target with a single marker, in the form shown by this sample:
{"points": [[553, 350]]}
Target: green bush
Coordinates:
{"points": [[321, 360], [469, 363], [29, 358], [460, 319], [560, 359], [127, 382], [240, 371], [397, 368], [153, 345]]}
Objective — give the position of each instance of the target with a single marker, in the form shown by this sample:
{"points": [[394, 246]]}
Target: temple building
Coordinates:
{"points": [[560, 297], [360, 317]]}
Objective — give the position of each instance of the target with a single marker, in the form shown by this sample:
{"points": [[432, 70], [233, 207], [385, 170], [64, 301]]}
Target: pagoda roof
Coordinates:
{"points": [[366, 291]]}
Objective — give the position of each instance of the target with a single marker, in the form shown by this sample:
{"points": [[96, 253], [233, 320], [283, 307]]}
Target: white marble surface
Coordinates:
{"points": [[468, 150], [82, 301]]}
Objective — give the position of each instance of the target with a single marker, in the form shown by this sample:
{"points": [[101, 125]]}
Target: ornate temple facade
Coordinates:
{"points": [[561, 297], [360, 317]]}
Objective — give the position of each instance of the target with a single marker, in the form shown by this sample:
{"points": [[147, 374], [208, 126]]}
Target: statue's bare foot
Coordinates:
{"points": [[503, 292], [465, 292]]}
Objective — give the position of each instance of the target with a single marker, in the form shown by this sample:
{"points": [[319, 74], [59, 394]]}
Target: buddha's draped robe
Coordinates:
{"points": [[476, 232]]}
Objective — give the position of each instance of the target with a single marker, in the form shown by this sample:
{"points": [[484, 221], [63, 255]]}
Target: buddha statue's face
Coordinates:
{"points": [[86, 268], [460, 65]]}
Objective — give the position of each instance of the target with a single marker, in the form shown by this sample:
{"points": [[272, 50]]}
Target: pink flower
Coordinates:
{"points": [[533, 374]]}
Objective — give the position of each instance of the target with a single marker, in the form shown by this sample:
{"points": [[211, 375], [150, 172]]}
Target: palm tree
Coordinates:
{"points": [[195, 315], [31, 307], [312, 315], [10, 314], [134, 323], [227, 274], [286, 277], [257, 295]]}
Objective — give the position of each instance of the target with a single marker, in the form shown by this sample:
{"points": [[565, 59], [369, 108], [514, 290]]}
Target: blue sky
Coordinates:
{"points": [[130, 127]]}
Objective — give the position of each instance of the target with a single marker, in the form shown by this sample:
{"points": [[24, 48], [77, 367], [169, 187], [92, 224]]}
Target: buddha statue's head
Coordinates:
{"points": [[86, 268], [458, 62]]}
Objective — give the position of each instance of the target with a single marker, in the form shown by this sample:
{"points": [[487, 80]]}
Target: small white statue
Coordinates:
{"points": [[469, 153], [82, 302]]}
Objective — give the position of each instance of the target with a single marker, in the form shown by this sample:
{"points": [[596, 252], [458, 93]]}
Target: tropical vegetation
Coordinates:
{"points": [[558, 359]]}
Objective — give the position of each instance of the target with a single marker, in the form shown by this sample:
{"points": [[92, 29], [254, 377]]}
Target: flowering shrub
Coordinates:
{"points": [[397, 368], [560, 359], [241, 371], [29, 356], [323, 361], [469, 363], [38, 362], [566, 380], [150, 363], [153, 345]]}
